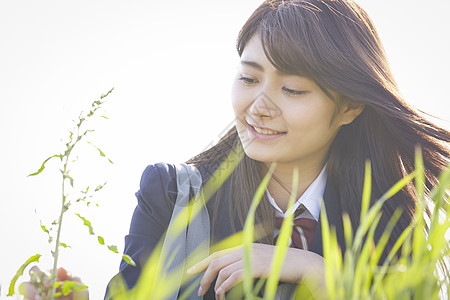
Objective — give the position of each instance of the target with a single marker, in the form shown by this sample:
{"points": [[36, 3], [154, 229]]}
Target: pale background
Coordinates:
{"points": [[171, 64]]}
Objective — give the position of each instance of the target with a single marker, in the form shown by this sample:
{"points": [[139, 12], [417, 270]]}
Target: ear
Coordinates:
{"points": [[349, 112]]}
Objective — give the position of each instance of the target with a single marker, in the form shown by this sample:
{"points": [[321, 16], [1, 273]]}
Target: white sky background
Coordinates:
{"points": [[171, 64]]}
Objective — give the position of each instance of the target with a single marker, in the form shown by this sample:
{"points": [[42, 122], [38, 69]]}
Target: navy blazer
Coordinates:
{"points": [[156, 199]]}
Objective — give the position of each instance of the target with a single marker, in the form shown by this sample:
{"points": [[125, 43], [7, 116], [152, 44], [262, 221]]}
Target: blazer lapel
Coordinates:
{"points": [[334, 214]]}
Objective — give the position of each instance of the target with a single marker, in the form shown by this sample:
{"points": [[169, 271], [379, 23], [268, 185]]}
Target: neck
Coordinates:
{"points": [[280, 186]]}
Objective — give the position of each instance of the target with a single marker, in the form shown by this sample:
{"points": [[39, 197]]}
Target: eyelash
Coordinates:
{"points": [[294, 92], [248, 81]]}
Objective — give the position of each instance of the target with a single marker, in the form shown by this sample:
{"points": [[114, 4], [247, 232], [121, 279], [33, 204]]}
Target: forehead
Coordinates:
{"points": [[254, 55], [253, 48]]}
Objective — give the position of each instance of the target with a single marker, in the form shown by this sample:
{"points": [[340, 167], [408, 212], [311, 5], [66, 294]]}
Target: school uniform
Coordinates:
{"points": [[156, 198]]}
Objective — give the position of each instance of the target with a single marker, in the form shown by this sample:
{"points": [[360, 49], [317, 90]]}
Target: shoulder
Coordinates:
{"points": [[157, 188], [164, 173], [159, 179], [161, 172]]}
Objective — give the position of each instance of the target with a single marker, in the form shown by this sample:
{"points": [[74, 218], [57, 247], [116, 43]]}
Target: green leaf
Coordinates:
{"points": [[43, 165], [103, 96], [105, 117], [101, 240], [99, 187], [101, 152], [86, 191], [128, 259], [113, 248], [34, 258], [68, 286], [64, 245], [87, 223], [44, 229]]}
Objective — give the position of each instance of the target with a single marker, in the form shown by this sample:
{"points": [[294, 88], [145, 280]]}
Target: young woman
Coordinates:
{"points": [[313, 92]]}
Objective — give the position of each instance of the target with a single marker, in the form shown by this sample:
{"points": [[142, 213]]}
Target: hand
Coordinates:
{"points": [[29, 290], [228, 266]]}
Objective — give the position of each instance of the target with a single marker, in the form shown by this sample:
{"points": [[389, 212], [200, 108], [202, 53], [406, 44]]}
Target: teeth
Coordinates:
{"points": [[266, 131]]}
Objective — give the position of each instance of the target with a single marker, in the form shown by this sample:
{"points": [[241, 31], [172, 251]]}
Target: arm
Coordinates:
{"points": [[228, 267]]}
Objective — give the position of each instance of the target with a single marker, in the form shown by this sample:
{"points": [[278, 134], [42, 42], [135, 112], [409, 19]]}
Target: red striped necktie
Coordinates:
{"points": [[302, 230]]}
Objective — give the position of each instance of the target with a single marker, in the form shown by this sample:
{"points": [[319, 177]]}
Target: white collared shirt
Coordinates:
{"points": [[310, 198]]}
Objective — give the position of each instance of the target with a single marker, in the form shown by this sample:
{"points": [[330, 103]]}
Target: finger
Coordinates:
{"points": [[202, 265], [226, 273], [40, 277], [215, 267], [233, 279], [62, 274], [35, 270]]}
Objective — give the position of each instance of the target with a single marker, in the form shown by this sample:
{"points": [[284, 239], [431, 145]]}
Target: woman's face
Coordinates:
{"points": [[280, 117]]}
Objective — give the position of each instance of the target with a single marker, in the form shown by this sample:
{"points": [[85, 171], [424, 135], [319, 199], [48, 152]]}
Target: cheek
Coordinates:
{"points": [[240, 99], [308, 120]]}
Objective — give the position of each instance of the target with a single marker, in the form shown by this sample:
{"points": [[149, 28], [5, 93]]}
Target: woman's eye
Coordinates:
{"points": [[294, 92], [247, 80]]}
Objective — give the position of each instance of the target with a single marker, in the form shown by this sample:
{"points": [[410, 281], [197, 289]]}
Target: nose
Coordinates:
{"points": [[264, 107]]}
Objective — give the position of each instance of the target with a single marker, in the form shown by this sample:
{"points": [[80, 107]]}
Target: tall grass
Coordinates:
{"points": [[420, 271]]}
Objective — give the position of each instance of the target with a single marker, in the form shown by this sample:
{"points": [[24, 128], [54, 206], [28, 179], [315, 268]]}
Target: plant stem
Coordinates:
{"points": [[53, 277]]}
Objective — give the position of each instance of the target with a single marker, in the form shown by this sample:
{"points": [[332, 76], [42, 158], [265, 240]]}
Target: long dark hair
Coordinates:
{"points": [[334, 43]]}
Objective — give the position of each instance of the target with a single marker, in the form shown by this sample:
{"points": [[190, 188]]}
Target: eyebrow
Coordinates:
{"points": [[252, 64], [261, 68]]}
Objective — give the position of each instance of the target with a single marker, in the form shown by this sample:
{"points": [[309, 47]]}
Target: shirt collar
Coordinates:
{"points": [[310, 198]]}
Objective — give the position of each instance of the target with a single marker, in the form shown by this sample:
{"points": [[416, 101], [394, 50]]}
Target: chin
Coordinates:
{"points": [[259, 156]]}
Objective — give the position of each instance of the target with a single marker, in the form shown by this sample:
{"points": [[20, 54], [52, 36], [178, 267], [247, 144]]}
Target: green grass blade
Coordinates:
{"points": [[282, 243], [439, 195], [370, 216], [365, 225], [367, 190], [348, 231], [249, 234], [348, 273], [420, 173], [380, 247], [419, 234], [118, 289], [398, 186], [328, 249], [363, 267]]}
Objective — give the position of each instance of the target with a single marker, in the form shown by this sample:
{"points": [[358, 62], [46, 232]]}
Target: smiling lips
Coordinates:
{"points": [[264, 133]]}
